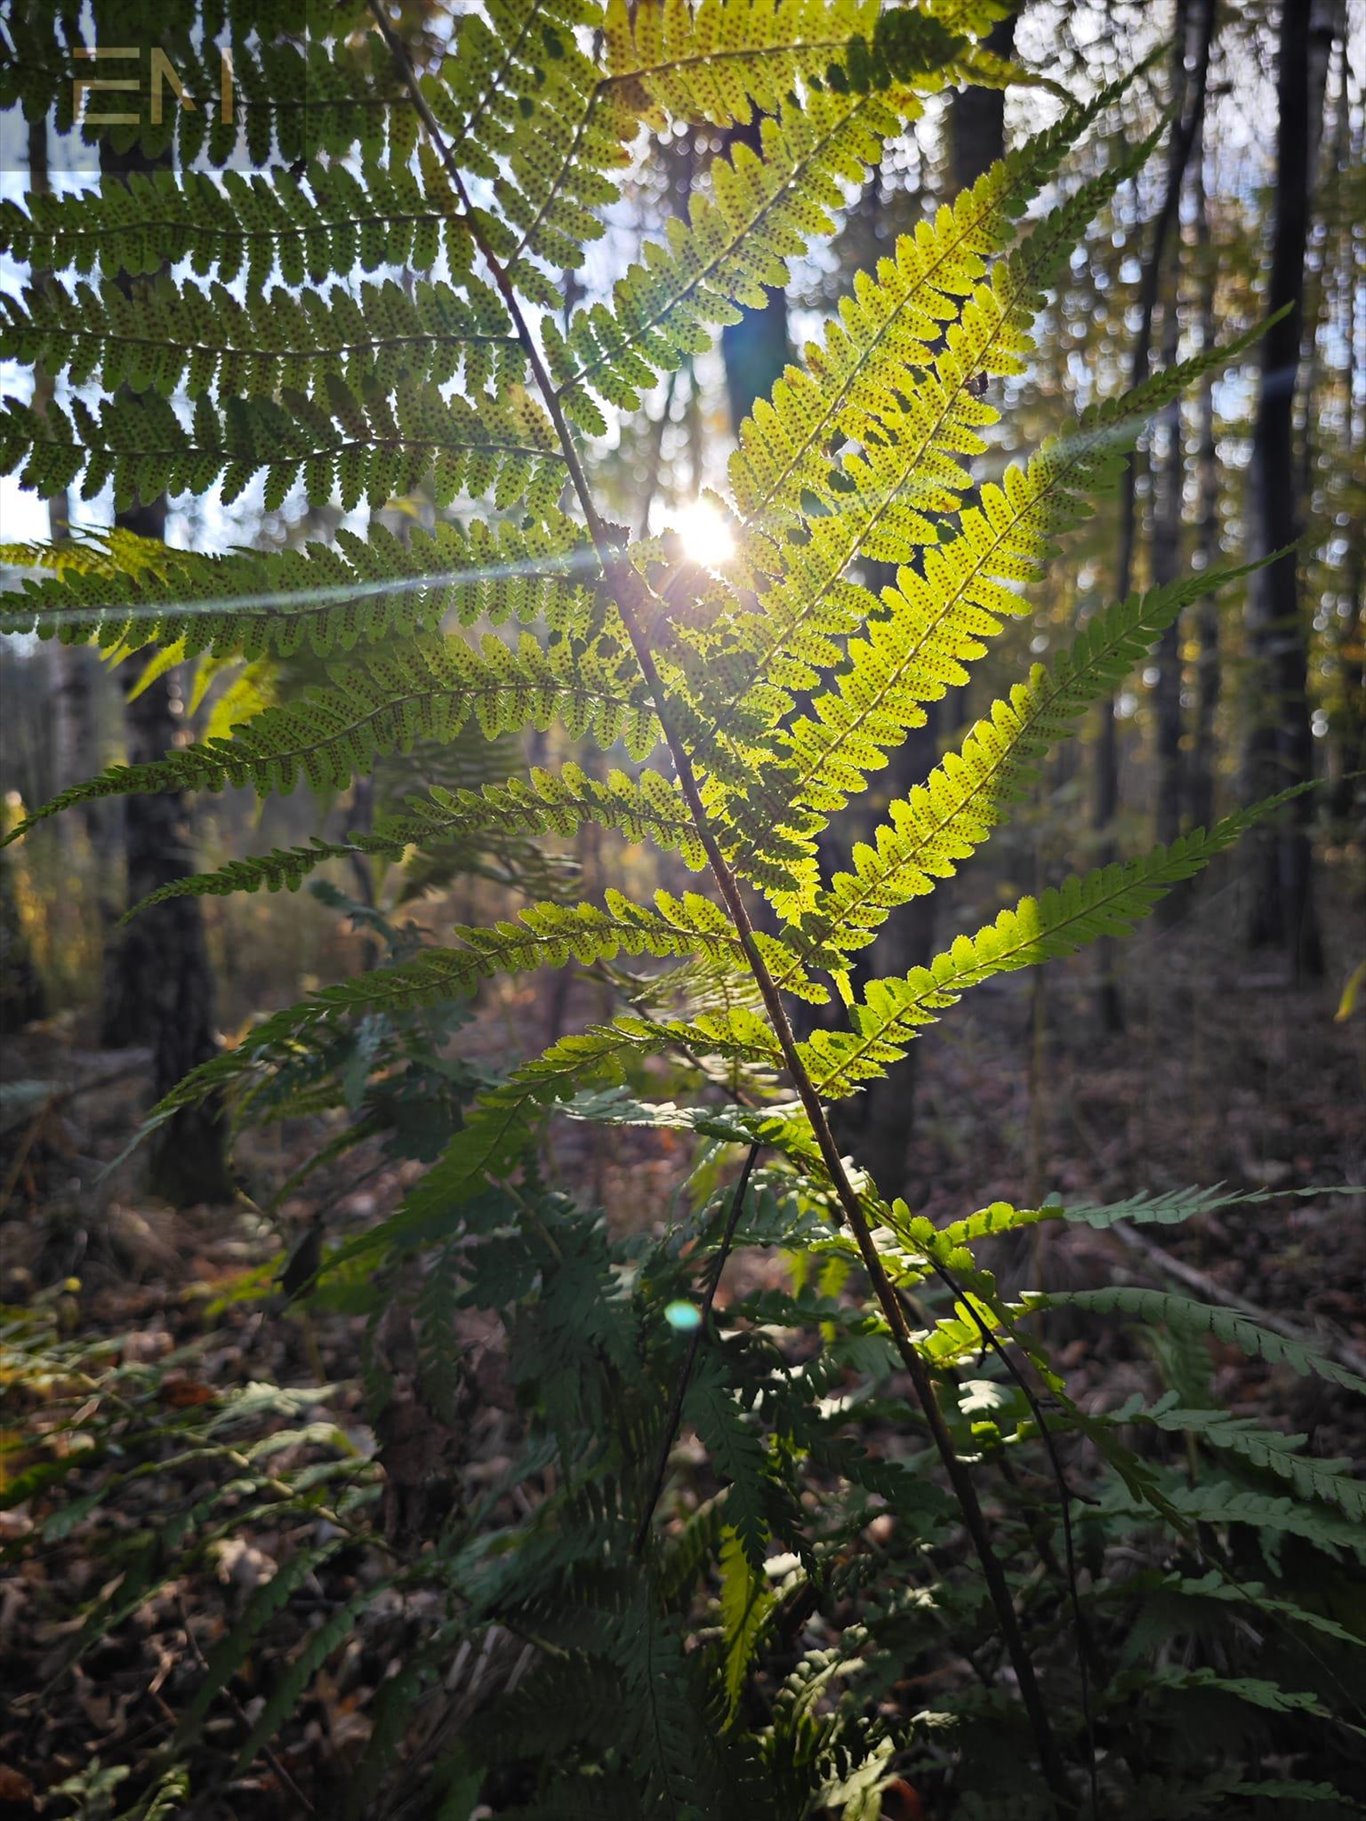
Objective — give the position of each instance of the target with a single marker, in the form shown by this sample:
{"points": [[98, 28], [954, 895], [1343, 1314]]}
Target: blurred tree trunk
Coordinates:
{"points": [[1193, 45], [1279, 748], [1208, 664], [159, 989], [1168, 482], [755, 353], [23, 996], [977, 119], [1347, 724], [75, 679]]}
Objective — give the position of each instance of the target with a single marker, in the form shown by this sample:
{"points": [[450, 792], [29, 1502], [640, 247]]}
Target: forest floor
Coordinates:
{"points": [[1225, 1073]]}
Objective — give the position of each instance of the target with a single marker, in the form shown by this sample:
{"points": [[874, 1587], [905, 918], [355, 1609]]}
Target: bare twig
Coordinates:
{"points": [[1160, 1259], [65, 1095]]}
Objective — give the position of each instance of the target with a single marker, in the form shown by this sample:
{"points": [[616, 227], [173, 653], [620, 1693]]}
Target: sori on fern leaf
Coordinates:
{"points": [[361, 317]]}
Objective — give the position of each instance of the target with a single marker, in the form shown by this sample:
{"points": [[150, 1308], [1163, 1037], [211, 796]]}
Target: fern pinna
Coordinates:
{"points": [[371, 307]]}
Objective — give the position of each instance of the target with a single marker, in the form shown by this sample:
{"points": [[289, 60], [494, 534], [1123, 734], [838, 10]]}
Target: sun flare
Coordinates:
{"points": [[704, 534]]}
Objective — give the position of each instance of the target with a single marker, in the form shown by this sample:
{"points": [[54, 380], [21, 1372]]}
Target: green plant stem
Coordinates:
{"points": [[632, 598], [690, 1360]]}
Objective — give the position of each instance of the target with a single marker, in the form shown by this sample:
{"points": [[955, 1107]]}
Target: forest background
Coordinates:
{"points": [[1226, 1043]]}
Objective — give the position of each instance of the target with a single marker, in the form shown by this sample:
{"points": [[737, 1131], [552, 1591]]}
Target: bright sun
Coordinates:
{"points": [[704, 534]]}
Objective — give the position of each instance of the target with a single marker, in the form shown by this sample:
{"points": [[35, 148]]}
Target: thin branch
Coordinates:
{"points": [[716, 1266]]}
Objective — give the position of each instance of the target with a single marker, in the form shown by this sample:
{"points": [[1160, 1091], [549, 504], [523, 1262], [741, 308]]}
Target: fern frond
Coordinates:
{"points": [[1066, 918], [1222, 1504], [778, 1129], [934, 622], [724, 63], [498, 1132], [763, 212], [262, 1606], [746, 1606], [1265, 1449], [1213, 1586], [126, 592], [372, 446], [111, 552], [1231, 1788], [1164, 1209], [552, 935], [738, 1454], [428, 689], [296, 95], [666, 1740], [543, 935], [206, 339], [645, 808], [969, 793], [245, 225], [318, 1647], [884, 503], [1185, 1315], [889, 327], [519, 63], [503, 1125], [1254, 1690], [1174, 1205]]}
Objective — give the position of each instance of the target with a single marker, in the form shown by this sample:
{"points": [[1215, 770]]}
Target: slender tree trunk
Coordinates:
{"points": [[977, 119], [23, 996], [1279, 749], [161, 983], [1208, 665], [1194, 41], [160, 989], [1168, 477], [1347, 726], [75, 679]]}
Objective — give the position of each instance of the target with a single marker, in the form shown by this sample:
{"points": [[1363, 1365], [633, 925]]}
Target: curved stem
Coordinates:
{"points": [[632, 598]]}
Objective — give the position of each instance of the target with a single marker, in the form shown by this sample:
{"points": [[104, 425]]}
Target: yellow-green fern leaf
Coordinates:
{"points": [[248, 225], [427, 689], [203, 338], [927, 834], [889, 327], [891, 1012], [326, 598]]}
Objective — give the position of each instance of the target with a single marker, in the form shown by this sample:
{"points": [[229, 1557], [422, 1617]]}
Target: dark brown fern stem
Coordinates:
{"points": [[633, 602]]}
